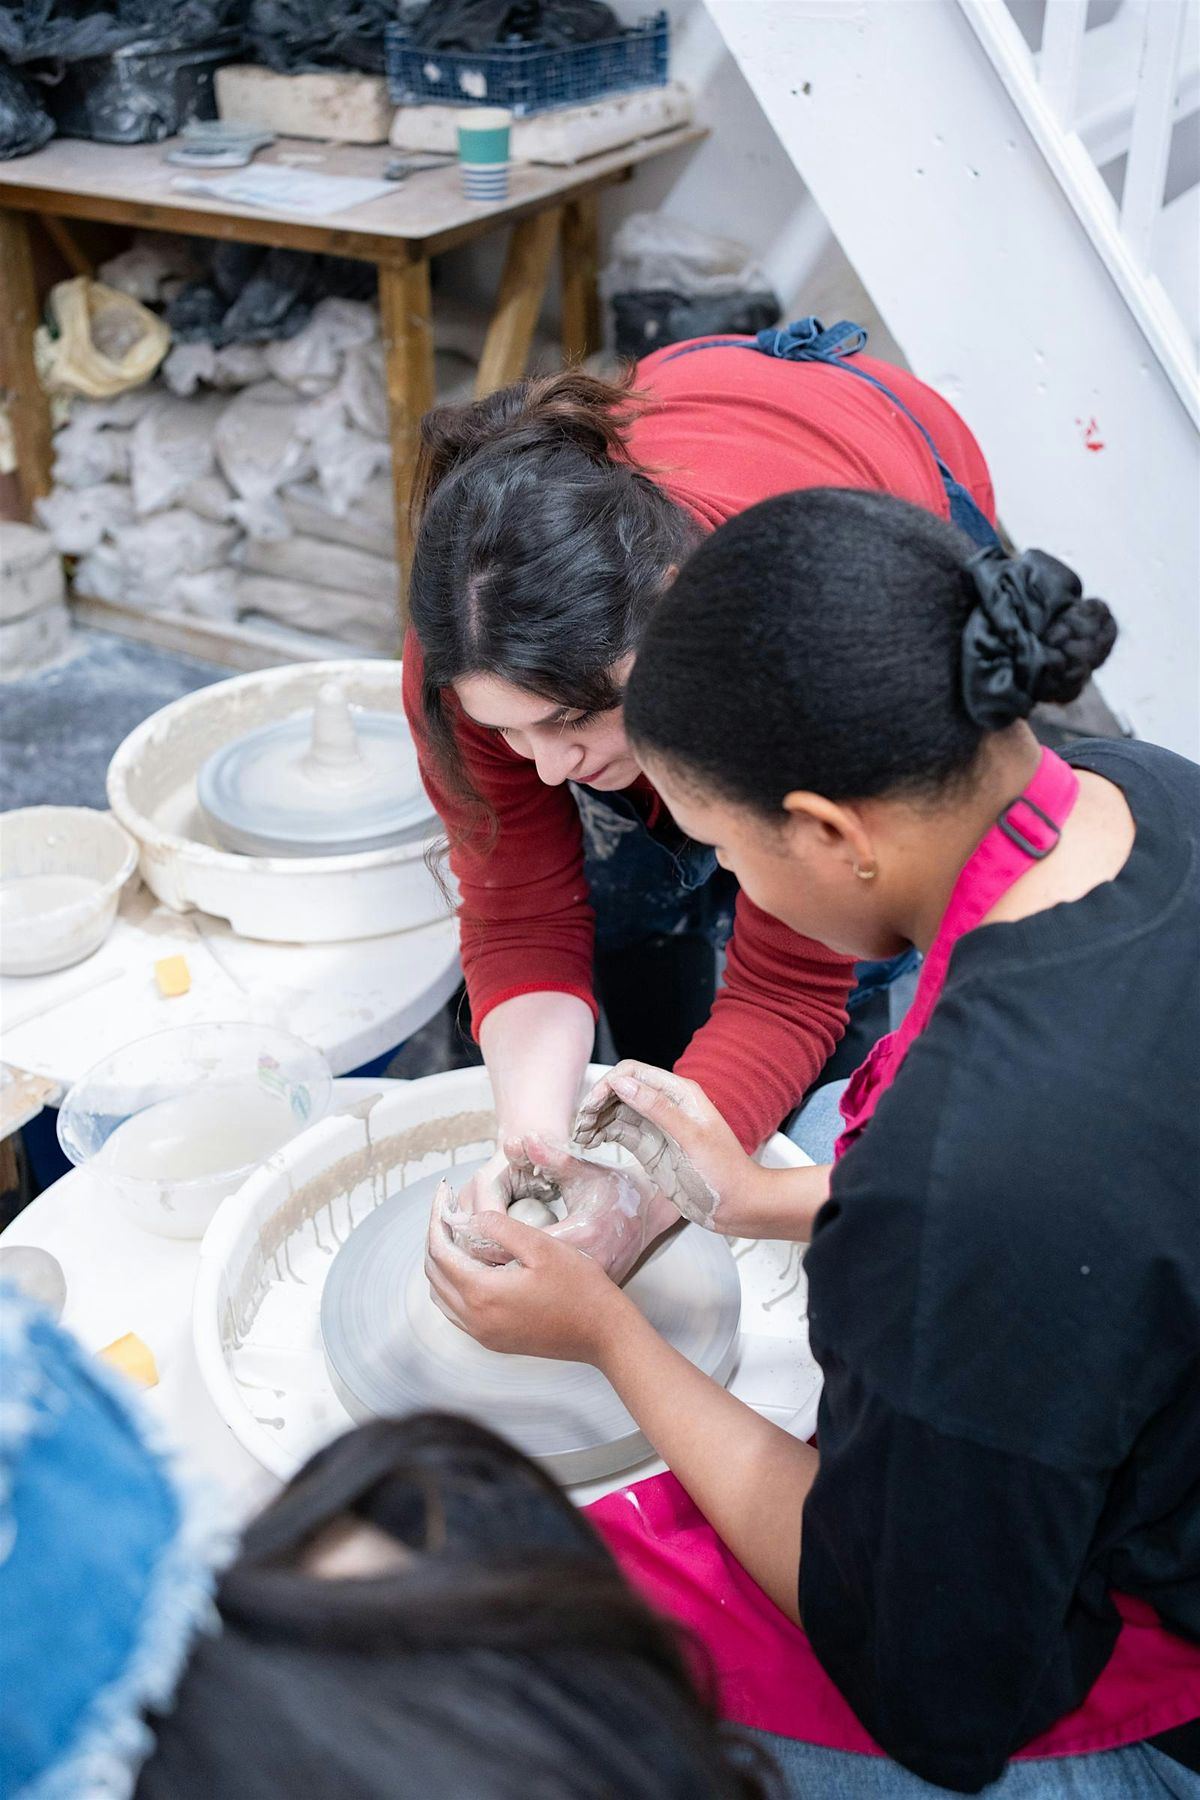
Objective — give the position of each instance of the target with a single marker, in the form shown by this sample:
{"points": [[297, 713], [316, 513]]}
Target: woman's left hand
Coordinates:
{"points": [[550, 1299]]}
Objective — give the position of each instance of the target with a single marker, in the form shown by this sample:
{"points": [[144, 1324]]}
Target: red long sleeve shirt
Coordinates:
{"points": [[730, 429]]}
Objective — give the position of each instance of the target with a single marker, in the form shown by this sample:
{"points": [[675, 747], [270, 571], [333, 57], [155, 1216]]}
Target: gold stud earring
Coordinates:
{"points": [[867, 874]]}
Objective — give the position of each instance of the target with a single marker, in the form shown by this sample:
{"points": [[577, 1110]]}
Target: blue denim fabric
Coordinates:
{"points": [[1136, 1772], [96, 1622], [818, 1125], [806, 340], [642, 888]]}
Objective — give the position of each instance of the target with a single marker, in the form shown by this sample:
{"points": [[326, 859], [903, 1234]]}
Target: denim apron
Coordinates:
{"points": [[644, 886]]}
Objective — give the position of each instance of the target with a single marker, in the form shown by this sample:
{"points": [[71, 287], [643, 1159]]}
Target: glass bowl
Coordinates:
{"points": [[173, 1123]]}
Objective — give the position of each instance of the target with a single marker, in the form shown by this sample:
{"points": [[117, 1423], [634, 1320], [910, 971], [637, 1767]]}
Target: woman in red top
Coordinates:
{"points": [[553, 515]]}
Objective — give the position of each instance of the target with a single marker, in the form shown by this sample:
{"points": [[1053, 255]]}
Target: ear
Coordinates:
{"points": [[840, 828]]}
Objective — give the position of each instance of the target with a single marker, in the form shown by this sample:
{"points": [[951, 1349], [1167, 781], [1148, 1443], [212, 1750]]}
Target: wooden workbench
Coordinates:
{"points": [[547, 208]]}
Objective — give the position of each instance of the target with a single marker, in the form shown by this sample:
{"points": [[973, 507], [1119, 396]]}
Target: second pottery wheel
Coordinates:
{"points": [[330, 783], [390, 1351]]}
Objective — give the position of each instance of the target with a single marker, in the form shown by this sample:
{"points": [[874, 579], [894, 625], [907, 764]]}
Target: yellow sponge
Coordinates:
{"points": [[173, 976], [133, 1358]]}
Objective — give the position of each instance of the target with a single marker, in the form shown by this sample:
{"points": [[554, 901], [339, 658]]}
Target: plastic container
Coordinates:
{"points": [[140, 94], [281, 899], [528, 78], [62, 869], [173, 1123]]}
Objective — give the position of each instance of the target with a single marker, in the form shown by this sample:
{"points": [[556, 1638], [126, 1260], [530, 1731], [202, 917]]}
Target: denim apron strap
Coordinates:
{"points": [[807, 340]]}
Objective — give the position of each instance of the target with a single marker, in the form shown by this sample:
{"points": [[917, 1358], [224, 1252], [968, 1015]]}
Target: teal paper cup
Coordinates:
{"points": [[483, 146]]}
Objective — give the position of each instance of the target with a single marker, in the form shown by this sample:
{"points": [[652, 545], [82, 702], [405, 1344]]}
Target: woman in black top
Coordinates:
{"points": [[1005, 1270]]}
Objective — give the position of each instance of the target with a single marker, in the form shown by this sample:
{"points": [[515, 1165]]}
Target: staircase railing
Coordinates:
{"points": [[1075, 139]]}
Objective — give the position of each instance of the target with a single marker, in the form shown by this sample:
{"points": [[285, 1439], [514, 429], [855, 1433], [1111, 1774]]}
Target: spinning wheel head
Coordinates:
{"points": [[390, 1351]]}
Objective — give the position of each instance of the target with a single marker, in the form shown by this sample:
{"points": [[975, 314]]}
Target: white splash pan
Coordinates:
{"points": [[288, 900], [264, 1259]]}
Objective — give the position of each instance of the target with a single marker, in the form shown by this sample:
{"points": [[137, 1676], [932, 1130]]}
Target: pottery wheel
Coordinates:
{"points": [[390, 1351], [333, 782]]}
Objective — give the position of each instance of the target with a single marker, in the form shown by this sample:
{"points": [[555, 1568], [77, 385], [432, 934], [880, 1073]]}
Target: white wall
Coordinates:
{"points": [[739, 183], [974, 251]]}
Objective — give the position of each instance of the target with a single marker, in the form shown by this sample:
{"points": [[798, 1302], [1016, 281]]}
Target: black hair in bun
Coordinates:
{"points": [[851, 644], [1030, 636]]}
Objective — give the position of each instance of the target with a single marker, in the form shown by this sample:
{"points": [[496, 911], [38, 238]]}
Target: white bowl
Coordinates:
{"points": [[281, 899], [62, 869], [171, 1124]]}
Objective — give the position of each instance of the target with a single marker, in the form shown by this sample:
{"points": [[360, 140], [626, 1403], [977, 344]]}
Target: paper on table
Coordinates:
{"points": [[286, 190]]}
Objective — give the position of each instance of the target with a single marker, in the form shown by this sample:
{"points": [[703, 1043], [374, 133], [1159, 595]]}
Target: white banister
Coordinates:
{"points": [[990, 242], [1153, 115], [1062, 55], [1080, 179]]}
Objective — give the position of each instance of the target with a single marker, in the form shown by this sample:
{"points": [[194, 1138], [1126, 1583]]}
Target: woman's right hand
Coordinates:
{"points": [[494, 1187], [671, 1127]]}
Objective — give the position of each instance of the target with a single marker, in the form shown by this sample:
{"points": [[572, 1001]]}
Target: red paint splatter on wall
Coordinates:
{"points": [[1091, 434]]}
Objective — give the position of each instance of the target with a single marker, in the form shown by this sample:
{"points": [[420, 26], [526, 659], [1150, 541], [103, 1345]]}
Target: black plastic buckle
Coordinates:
{"points": [[1016, 836]]}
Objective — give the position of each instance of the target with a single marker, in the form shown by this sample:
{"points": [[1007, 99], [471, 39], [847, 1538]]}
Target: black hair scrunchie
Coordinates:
{"points": [[1010, 660]]}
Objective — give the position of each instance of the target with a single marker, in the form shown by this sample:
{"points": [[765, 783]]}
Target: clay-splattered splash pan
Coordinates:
{"points": [[271, 1249], [390, 1351]]}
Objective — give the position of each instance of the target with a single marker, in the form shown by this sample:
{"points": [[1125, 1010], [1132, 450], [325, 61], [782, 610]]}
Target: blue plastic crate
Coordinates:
{"points": [[527, 78]]}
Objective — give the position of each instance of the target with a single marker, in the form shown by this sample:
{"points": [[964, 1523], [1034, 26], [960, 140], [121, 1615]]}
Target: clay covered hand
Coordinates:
{"points": [[548, 1299], [679, 1140], [499, 1183], [613, 1215]]}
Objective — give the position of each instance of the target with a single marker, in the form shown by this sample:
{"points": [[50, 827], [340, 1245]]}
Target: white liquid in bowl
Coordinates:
{"points": [[32, 896], [215, 1130]]}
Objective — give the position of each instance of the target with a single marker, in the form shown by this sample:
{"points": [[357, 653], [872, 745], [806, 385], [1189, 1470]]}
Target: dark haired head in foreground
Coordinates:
{"points": [[422, 1613]]}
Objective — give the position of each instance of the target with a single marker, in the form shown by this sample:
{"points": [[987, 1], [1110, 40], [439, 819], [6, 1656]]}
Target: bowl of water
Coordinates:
{"points": [[173, 1123], [62, 869]]}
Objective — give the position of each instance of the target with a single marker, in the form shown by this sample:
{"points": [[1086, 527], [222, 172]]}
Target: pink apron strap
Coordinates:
{"points": [[1026, 831]]}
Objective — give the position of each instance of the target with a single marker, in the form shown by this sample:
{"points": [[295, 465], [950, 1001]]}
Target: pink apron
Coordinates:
{"points": [[767, 1673]]}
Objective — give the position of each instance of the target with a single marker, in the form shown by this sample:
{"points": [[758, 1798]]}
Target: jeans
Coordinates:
{"points": [[818, 1125], [1136, 1772]]}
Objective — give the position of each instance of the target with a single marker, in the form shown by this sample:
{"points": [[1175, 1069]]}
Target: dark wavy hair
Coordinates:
{"points": [[504, 1657], [542, 546], [851, 644]]}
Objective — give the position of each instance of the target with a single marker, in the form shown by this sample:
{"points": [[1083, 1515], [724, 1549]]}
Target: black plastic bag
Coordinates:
{"points": [[256, 296], [25, 125], [477, 25], [648, 318], [296, 35], [140, 96], [56, 32]]}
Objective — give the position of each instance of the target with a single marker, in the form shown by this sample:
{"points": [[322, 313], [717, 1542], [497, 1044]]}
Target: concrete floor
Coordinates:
{"points": [[59, 728]]}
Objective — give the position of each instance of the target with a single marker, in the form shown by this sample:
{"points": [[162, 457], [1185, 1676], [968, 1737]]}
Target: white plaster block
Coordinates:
{"points": [[33, 642], [31, 571], [344, 108], [567, 135]]}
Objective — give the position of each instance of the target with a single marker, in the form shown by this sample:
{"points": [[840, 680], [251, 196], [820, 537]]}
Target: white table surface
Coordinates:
{"points": [[351, 1000], [121, 1278]]}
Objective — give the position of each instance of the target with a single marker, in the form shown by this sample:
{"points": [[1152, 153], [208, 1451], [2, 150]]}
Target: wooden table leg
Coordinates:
{"points": [[406, 319], [28, 406], [580, 254], [68, 246], [522, 288]]}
